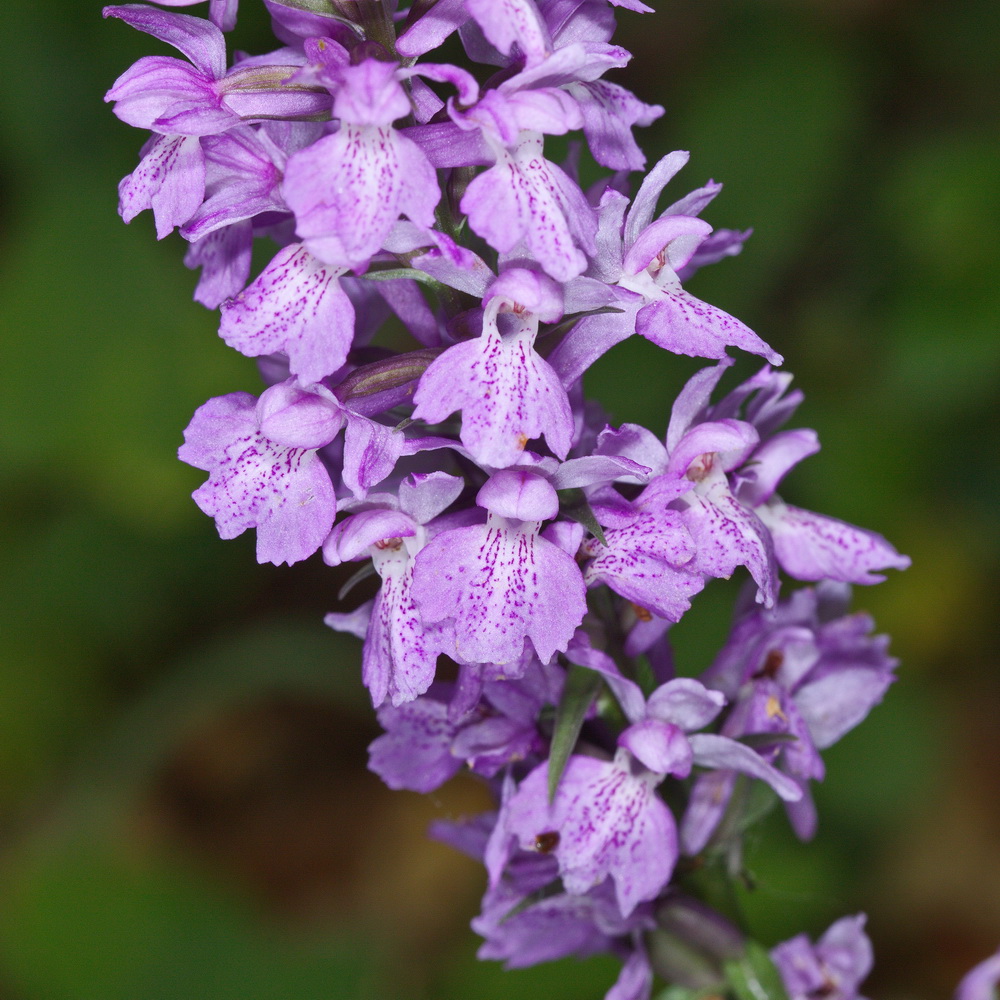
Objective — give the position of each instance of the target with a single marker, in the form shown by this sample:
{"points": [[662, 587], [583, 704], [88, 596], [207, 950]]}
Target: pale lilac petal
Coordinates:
{"points": [[352, 622], [673, 238], [157, 89], [772, 461], [628, 693], [693, 399], [686, 703], [644, 203], [224, 258], [682, 324], [500, 586], [291, 415], [170, 179], [723, 753], [519, 494], [352, 537], [415, 751], [636, 443], [297, 306], [432, 28], [706, 806], [635, 981], [728, 443], [426, 495], [590, 470], [813, 547]]}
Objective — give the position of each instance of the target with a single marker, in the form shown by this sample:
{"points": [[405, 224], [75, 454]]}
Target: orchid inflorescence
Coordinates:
{"points": [[533, 553]]}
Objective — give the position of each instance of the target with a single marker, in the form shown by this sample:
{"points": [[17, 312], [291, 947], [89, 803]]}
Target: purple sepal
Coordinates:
{"points": [[224, 257], [635, 981], [813, 547], [720, 752]]}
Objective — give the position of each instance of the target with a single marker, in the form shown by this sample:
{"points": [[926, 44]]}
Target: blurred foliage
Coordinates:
{"points": [[183, 802]]}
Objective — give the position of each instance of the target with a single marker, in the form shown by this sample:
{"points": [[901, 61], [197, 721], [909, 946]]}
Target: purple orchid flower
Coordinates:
{"points": [[832, 968], [644, 259], [806, 669], [501, 583], [807, 546], [264, 469], [606, 820], [400, 652], [506, 391]]}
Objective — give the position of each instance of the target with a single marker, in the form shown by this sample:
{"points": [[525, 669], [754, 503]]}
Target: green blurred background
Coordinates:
{"points": [[184, 807]]}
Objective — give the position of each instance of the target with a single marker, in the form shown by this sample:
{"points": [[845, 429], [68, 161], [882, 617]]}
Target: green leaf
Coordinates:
{"points": [[753, 975], [574, 505], [578, 694], [757, 740]]}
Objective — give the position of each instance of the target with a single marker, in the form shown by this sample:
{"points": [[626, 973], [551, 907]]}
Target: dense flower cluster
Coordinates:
{"points": [[533, 554]]}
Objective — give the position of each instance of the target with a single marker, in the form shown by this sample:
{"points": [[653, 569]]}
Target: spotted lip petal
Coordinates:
{"points": [[500, 585], [296, 306]]}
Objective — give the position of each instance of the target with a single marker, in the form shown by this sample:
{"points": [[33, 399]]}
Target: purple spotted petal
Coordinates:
{"points": [[170, 179], [371, 451], [507, 23], [609, 112], [296, 306], [526, 198], [224, 258], [508, 395], [813, 547], [648, 562], [415, 751], [285, 493], [500, 585], [686, 703], [348, 190], [682, 324]]}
